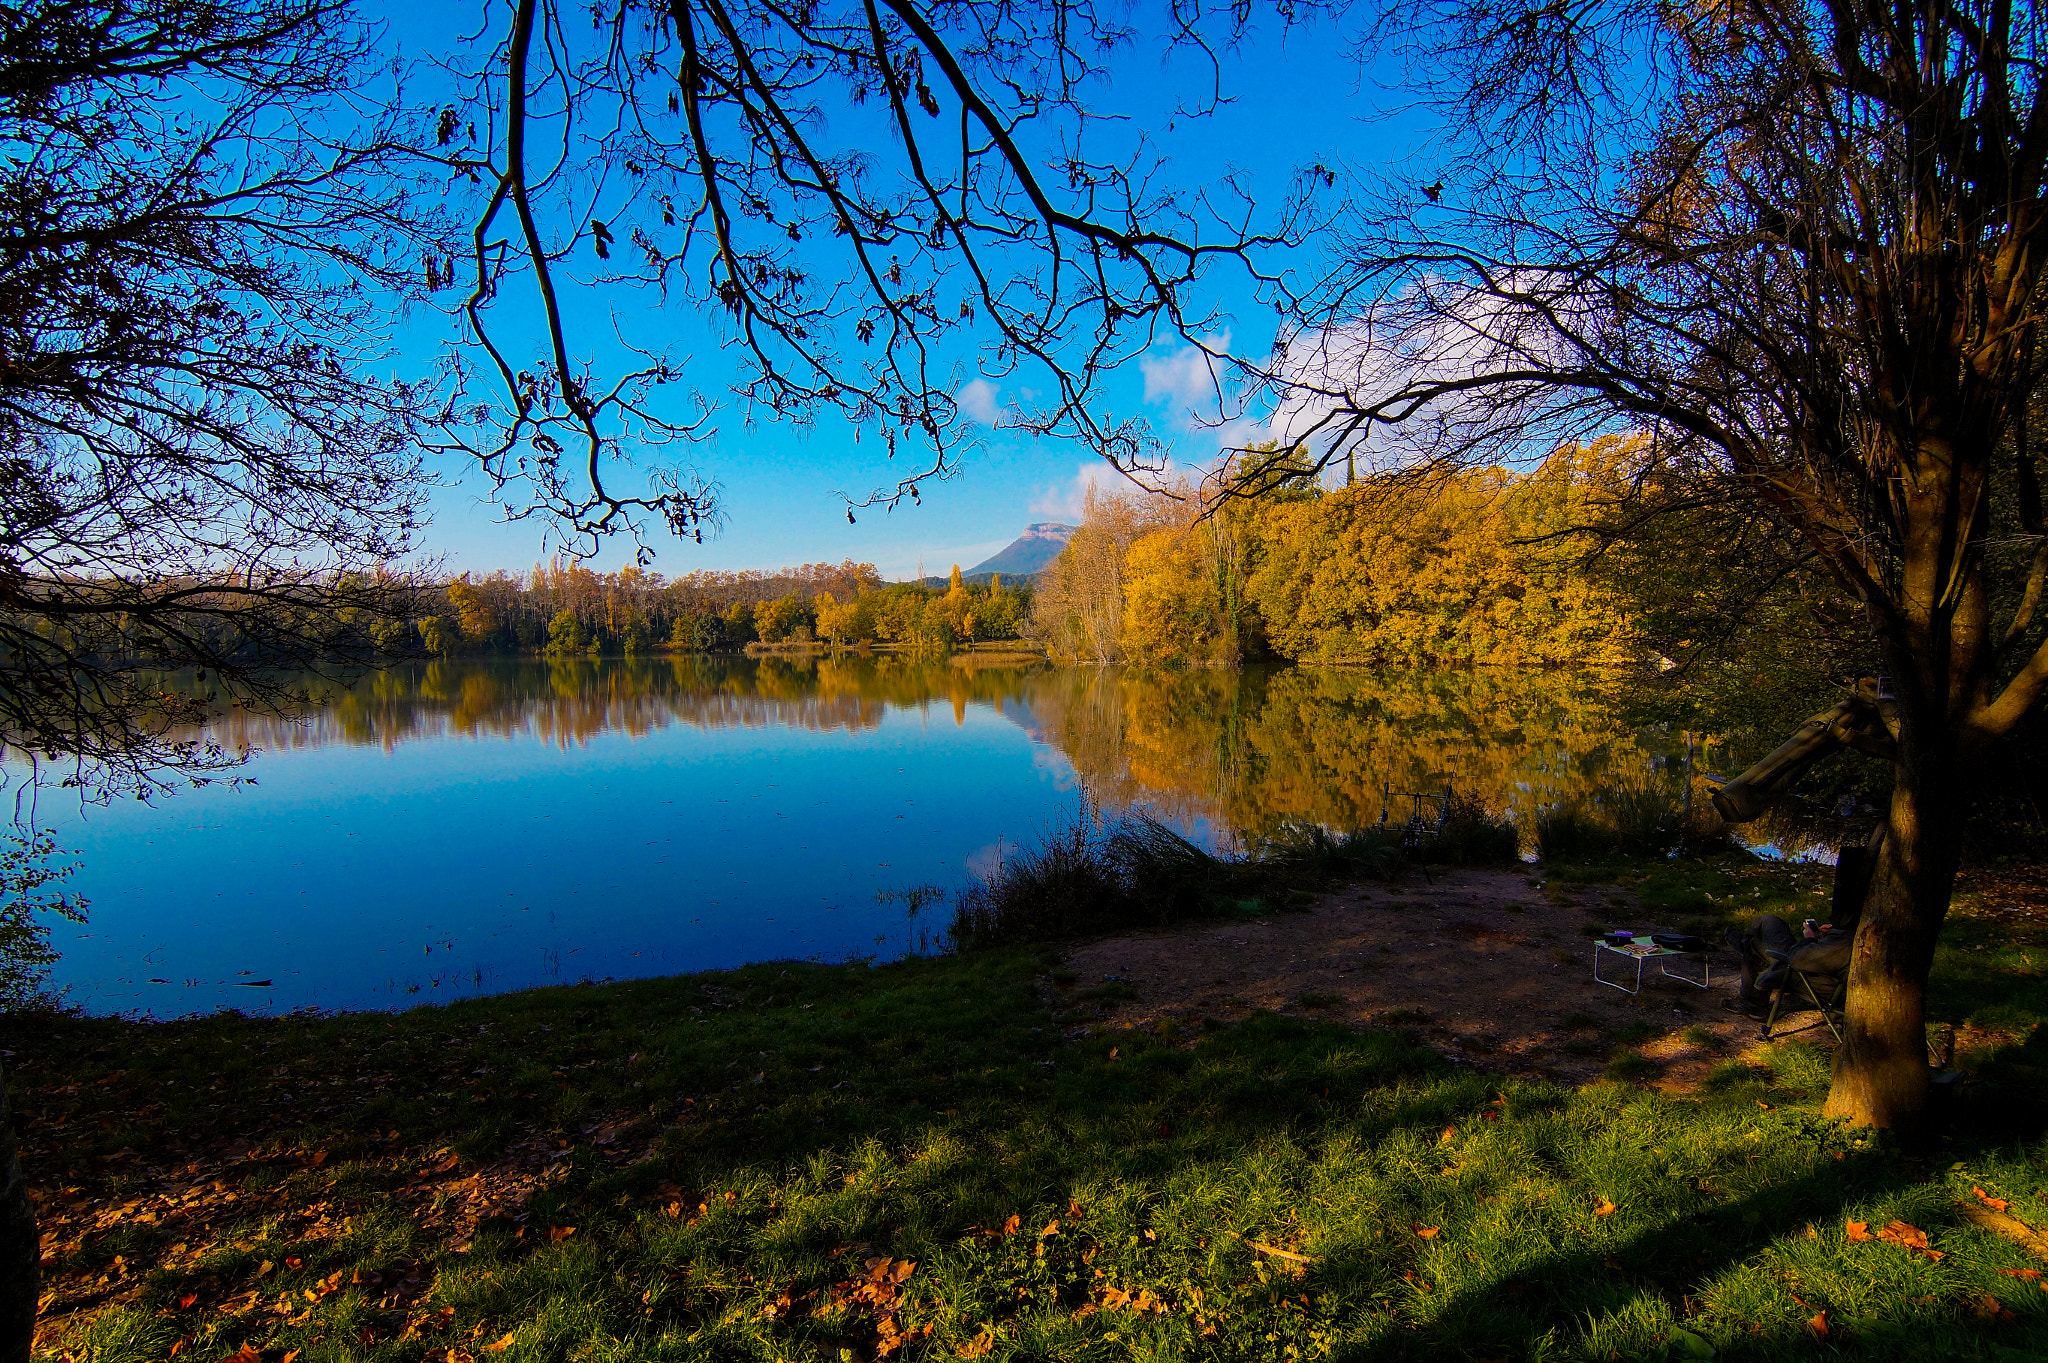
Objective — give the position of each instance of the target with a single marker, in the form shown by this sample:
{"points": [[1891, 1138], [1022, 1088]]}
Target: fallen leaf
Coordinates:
{"points": [[1997, 1204], [979, 1346], [2027, 1274], [1819, 1324], [1010, 1226], [1908, 1238], [1450, 1132], [560, 1232], [1052, 1228], [502, 1344], [176, 1349], [1426, 1232], [185, 1302], [1856, 1230], [1603, 1208]]}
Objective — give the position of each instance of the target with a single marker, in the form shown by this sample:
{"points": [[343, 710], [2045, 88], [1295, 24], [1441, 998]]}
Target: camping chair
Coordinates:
{"points": [[1825, 991]]}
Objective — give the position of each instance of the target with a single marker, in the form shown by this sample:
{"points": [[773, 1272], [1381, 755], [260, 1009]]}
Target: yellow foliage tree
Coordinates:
{"points": [[1170, 601]]}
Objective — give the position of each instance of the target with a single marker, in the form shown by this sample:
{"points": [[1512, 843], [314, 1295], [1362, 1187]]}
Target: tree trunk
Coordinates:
{"points": [[20, 1246], [1880, 1070]]}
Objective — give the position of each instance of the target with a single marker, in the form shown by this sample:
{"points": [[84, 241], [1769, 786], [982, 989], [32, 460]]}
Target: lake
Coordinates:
{"points": [[459, 828]]}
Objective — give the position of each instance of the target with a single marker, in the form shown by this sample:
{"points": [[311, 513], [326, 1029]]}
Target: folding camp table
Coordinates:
{"points": [[1640, 949]]}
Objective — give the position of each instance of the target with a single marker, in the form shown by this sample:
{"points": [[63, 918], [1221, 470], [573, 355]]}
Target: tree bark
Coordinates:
{"points": [[20, 1246], [1880, 1070]]}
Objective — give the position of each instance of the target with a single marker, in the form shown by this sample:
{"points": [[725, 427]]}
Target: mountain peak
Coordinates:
{"points": [[1030, 552]]}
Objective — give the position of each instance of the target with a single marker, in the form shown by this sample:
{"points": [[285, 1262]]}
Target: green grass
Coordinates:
{"points": [[747, 1160]]}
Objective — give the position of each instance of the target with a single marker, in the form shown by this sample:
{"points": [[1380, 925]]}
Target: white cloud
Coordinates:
{"points": [[1065, 501], [1191, 380], [979, 399]]}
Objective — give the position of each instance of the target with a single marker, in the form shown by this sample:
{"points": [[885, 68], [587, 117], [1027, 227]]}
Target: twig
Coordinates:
{"points": [[1286, 1254]]}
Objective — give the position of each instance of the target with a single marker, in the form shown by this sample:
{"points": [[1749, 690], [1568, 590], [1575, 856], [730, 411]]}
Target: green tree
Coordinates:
{"points": [[566, 635], [438, 634]]}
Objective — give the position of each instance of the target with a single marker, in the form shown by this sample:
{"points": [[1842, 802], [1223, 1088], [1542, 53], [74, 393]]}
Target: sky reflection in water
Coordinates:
{"points": [[462, 828]]}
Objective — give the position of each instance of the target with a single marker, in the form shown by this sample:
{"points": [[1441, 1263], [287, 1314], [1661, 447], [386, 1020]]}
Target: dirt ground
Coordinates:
{"points": [[1496, 966]]}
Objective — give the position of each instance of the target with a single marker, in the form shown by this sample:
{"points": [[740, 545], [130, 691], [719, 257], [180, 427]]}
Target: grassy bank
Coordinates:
{"points": [[923, 1161]]}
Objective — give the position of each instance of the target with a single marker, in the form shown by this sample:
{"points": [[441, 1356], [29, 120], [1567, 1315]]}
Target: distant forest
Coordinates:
{"points": [[565, 609]]}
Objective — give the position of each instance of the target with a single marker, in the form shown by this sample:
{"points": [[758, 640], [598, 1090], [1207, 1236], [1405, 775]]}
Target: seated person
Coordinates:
{"points": [[1771, 951]]}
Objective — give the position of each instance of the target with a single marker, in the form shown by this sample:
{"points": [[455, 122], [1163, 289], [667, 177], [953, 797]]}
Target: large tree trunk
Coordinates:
{"points": [[1880, 1070], [20, 1246]]}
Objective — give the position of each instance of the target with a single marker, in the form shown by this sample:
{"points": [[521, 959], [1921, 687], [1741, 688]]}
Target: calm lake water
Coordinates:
{"points": [[460, 828]]}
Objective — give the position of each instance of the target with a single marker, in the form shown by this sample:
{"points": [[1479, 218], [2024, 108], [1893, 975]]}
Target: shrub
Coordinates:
{"points": [[1470, 834], [1636, 818], [1091, 876]]}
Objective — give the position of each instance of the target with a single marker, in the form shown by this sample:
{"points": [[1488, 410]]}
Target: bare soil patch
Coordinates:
{"points": [[1492, 966]]}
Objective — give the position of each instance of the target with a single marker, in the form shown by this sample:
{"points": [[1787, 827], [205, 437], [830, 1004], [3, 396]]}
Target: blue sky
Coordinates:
{"points": [[1297, 101]]}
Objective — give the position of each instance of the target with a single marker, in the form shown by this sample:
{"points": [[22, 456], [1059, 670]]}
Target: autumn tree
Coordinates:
{"points": [[1798, 249], [1170, 605], [1078, 607]]}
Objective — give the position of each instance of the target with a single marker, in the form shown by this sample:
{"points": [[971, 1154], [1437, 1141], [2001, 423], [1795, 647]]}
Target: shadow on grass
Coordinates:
{"points": [[712, 1166]]}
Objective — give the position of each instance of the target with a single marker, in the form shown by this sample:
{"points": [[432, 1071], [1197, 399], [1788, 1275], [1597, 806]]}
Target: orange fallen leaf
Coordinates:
{"points": [[1997, 1204], [185, 1302], [290, 1356], [1856, 1230], [1819, 1324], [1426, 1232], [1603, 1208], [245, 1354], [560, 1232], [1909, 1238], [1450, 1133], [2027, 1274], [176, 1349], [501, 1345], [1051, 1228], [1010, 1226]]}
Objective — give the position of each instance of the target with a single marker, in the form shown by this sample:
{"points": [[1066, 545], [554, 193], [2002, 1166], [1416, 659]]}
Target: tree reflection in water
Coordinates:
{"points": [[1241, 750]]}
